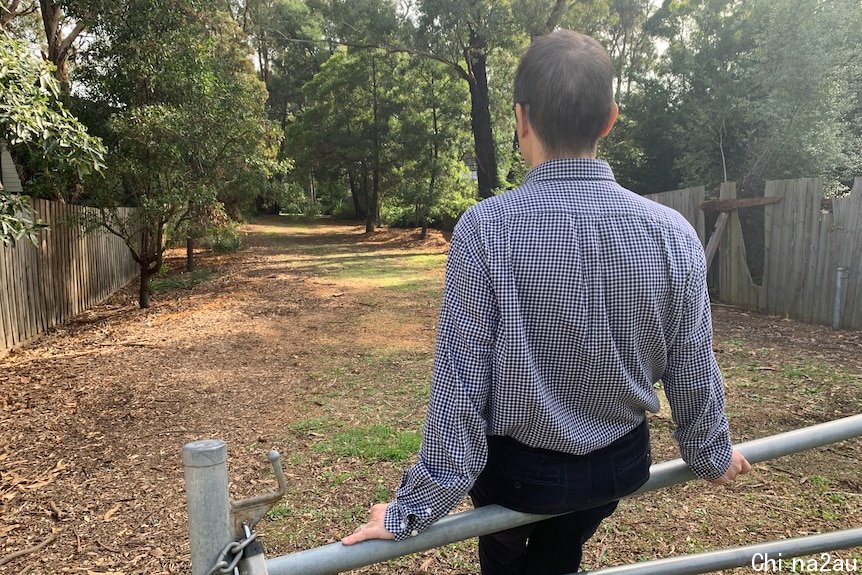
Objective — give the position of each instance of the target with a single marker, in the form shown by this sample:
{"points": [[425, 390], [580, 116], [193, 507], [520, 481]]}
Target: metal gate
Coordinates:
{"points": [[221, 538]]}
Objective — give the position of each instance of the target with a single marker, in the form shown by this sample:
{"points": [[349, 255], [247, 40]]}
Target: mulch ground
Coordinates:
{"points": [[93, 414]]}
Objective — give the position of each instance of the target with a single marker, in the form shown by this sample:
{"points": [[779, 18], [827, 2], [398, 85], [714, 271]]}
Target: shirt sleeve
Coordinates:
{"points": [[693, 383], [454, 446]]}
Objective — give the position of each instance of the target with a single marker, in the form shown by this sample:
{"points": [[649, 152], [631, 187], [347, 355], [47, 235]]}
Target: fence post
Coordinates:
{"points": [[208, 500], [841, 275]]}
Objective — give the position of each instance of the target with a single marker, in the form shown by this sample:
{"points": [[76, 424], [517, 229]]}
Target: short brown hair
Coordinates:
{"points": [[564, 83]]}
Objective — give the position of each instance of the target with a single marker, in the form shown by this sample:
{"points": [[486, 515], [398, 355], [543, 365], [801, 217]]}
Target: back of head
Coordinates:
{"points": [[565, 84]]}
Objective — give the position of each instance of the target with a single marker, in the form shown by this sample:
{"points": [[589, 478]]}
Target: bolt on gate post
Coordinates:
{"points": [[208, 500]]}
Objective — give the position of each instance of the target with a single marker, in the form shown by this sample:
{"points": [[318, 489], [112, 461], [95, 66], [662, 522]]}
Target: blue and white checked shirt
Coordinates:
{"points": [[565, 301]]}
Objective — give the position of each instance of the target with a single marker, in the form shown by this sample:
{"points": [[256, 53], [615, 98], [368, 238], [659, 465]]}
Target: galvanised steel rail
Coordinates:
{"points": [[772, 557], [335, 558]]}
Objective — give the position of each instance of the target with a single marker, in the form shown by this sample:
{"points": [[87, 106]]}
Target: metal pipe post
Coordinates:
{"points": [[841, 274], [772, 557], [335, 557], [208, 500]]}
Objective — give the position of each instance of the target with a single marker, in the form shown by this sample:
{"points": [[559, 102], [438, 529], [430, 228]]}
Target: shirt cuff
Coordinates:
{"points": [[403, 524], [713, 463]]}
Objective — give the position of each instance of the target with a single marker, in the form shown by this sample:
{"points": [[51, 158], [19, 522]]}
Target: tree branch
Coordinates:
{"points": [[392, 49], [8, 13], [555, 16], [68, 40], [32, 549]]}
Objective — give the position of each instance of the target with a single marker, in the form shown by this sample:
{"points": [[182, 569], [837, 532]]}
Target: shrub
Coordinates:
{"points": [[225, 239]]}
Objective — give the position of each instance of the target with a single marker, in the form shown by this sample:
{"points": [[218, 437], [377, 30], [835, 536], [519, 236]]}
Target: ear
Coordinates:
{"points": [[612, 118], [522, 122]]}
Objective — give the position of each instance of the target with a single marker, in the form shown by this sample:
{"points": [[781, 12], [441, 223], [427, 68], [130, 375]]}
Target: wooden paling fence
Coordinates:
{"points": [[806, 241], [687, 202], [66, 272]]}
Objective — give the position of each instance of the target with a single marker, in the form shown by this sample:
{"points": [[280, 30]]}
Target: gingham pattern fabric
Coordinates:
{"points": [[565, 301]]}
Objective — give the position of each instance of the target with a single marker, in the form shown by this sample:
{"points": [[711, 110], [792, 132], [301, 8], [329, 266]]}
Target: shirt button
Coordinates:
{"points": [[414, 533], [403, 525], [428, 511]]}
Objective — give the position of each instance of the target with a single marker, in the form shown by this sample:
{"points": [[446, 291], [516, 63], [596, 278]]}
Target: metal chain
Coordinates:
{"points": [[236, 550]]}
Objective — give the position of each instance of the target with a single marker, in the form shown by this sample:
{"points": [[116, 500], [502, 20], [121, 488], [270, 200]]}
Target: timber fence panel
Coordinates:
{"points": [[825, 277], [67, 271], [842, 237], [803, 247], [810, 293], [852, 316], [6, 316], [687, 202], [772, 233], [735, 283]]}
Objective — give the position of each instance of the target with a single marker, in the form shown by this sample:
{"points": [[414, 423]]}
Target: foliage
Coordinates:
{"points": [[431, 180], [16, 220], [381, 106], [225, 239], [186, 122], [32, 115], [750, 91], [31, 112]]}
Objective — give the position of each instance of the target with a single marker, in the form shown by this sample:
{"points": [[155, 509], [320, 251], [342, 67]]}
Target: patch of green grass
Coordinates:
{"points": [[820, 482], [181, 281], [836, 498], [425, 261], [794, 372], [313, 425], [407, 273], [279, 512], [372, 443], [381, 494], [424, 288], [337, 479]]}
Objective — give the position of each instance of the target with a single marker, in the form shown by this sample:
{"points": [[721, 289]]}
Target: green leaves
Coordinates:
{"points": [[16, 219], [32, 114]]}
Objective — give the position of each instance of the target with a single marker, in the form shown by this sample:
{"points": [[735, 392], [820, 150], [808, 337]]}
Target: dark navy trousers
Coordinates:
{"points": [[584, 487]]}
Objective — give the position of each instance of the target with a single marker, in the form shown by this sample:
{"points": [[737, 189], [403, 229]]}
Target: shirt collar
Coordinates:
{"points": [[571, 169]]}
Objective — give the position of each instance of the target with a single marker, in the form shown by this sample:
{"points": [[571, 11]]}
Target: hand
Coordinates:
{"points": [[739, 465], [374, 529]]}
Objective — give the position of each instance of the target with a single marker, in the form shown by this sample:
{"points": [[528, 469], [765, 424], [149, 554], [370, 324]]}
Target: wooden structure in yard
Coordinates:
{"points": [[687, 202], [68, 271], [8, 173], [804, 246]]}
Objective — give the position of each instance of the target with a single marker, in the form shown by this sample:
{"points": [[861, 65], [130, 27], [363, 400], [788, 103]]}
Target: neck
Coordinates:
{"points": [[540, 156]]}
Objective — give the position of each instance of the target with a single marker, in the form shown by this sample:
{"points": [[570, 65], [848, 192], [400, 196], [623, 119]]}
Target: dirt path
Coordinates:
{"points": [[313, 329]]}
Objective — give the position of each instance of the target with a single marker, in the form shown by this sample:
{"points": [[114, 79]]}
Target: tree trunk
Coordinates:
{"points": [[355, 194], [58, 46], [369, 210], [373, 216], [144, 288], [480, 118], [190, 253]]}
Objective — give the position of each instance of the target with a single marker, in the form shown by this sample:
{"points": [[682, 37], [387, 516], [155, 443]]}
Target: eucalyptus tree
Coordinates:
{"points": [[346, 125], [462, 35], [185, 121], [431, 141], [759, 89]]}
